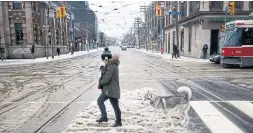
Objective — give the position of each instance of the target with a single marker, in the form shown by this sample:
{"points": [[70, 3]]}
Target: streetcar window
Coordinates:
{"points": [[233, 37], [239, 37], [248, 36]]}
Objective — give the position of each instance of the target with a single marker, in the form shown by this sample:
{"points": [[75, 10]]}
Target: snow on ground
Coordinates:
{"points": [[136, 117], [13, 119], [169, 56], [44, 59]]}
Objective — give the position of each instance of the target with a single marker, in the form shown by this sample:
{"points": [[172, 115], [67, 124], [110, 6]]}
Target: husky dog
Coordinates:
{"points": [[170, 104]]}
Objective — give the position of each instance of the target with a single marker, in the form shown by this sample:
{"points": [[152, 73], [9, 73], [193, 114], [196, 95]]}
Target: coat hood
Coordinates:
{"points": [[114, 60]]}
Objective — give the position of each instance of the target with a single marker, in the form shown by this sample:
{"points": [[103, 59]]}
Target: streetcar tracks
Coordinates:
{"points": [[60, 83], [43, 126]]}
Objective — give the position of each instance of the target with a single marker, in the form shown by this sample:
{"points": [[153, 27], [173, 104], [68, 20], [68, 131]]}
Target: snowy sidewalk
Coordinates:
{"points": [[136, 117], [169, 56], [44, 59]]}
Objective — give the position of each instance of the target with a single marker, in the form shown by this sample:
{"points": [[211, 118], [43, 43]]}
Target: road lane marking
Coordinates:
{"points": [[214, 119], [245, 107]]}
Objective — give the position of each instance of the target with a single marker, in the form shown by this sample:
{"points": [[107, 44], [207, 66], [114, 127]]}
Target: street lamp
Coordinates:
{"points": [[52, 16]]}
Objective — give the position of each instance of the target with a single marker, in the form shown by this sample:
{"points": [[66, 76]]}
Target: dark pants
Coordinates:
{"points": [[205, 56], [33, 56], [115, 104], [2, 56], [174, 54]]}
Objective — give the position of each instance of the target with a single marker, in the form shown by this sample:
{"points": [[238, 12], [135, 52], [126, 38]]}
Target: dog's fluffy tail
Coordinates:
{"points": [[187, 90]]}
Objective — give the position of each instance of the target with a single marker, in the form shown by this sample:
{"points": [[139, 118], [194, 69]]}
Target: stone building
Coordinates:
{"points": [[27, 23], [151, 22], [85, 18], [200, 24]]}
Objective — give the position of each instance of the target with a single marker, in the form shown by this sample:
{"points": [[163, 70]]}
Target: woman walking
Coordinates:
{"points": [[109, 82]]}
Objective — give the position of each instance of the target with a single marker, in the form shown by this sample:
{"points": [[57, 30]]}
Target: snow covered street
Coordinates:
{"points": [[60, 96], [136, 117]]}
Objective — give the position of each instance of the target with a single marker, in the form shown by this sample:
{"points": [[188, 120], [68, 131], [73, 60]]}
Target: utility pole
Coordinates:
{"points": [[87, 44], [46, 33], [138, 22], [139, 34], [177, 36], [52, 32]]}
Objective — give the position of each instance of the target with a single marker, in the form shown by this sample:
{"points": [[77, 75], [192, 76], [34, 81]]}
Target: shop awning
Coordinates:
{"points": [[222, 19]]}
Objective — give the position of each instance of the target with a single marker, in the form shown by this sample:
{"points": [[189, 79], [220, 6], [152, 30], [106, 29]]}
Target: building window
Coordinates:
{"points": [[36, 34], [238, 4], [182, 9], [190, 39], [194, 6], [251, 5], [17, 5], [182, 40], [216, 5], [19, 33], [34, 6]]}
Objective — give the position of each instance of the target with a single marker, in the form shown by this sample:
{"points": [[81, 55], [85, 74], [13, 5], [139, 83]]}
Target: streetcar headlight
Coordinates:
{"points": [[223, 51]]}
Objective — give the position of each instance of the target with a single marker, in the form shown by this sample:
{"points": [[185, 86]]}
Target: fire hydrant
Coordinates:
{"points": [[162, 50]]}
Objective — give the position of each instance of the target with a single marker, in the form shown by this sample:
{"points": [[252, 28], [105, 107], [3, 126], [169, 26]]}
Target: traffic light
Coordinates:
{"points": [[158, 10], [58, 13], [63, 11], [231, 7], [223, 29]]}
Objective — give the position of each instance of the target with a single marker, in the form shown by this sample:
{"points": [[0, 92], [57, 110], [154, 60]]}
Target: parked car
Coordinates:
{"points": [[215, 58], [124, 48]]}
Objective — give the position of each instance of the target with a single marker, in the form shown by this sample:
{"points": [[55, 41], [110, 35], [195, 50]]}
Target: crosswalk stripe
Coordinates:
{"points": [[245, 107], [214, 119]]}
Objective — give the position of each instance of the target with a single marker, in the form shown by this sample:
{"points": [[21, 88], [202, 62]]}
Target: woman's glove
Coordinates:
{"points": [[101, 68]]}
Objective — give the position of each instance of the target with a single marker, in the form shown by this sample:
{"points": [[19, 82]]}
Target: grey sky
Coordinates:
{"points": [[116, 22]]}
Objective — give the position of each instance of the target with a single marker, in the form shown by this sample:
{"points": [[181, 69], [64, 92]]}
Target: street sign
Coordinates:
{"points": [[174, 13]]}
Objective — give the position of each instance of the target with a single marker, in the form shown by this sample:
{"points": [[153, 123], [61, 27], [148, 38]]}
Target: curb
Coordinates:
{"points": [[49, 60]]}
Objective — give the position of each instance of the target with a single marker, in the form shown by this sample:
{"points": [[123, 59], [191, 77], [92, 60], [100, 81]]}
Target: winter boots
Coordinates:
{"points": [[102, 120], [117, 124]]}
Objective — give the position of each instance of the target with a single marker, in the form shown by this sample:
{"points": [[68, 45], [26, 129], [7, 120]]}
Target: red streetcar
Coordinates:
{"points": [[238, 44]]}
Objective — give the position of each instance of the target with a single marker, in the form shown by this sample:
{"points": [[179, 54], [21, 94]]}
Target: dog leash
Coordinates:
{"points": [[132, 108]]}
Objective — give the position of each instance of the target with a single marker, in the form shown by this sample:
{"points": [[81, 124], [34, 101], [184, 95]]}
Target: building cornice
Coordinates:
{"points": [[200, 15]]}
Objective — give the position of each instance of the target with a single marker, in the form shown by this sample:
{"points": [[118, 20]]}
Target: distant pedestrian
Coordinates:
{"points": [[58, 51], [2, 51], [175, 49], [72, 50], [32, 51], [205, 48], [178, 53]]}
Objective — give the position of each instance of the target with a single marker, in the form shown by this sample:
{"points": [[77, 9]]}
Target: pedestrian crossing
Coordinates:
{"points": [[225, 116]]}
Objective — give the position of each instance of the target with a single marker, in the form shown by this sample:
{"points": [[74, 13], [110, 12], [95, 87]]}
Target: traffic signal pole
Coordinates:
{"points": [[46, 34], [226, 15]]}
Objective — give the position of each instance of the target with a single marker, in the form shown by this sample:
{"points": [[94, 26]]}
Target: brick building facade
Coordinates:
{"points": [[24, 25]]}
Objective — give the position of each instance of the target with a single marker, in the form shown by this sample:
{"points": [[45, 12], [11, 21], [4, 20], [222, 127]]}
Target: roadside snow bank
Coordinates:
{"points": [[138, 119]]}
